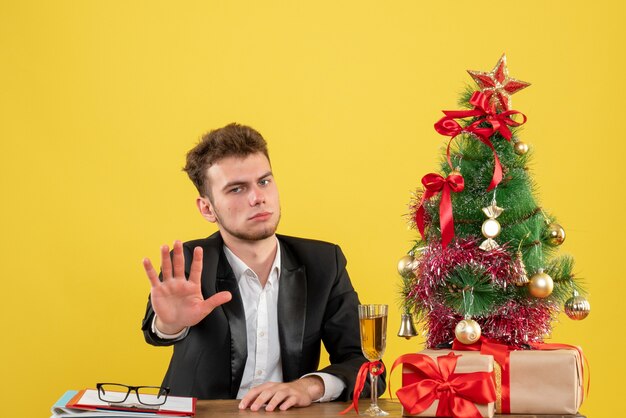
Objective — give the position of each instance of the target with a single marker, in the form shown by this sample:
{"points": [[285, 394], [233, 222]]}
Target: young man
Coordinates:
{"points": [[246, 309]]}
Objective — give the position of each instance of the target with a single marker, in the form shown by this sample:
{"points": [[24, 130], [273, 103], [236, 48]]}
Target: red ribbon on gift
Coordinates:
{"points": [[457, 392], [502, 355], [375, 368], [433, 184], [484, 112]]}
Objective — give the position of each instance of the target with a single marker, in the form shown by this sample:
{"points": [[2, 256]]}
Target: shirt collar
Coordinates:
{"points": [[240, 268]]}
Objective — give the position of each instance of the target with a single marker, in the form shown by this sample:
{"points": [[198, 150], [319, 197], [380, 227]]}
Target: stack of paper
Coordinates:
{"points": [[87, 404]]}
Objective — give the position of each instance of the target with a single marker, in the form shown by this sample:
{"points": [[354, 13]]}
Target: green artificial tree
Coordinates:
{"points": [[485, 262]]}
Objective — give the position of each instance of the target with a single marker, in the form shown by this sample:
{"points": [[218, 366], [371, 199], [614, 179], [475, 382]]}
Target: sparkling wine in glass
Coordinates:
{"points": [[373, 320]]}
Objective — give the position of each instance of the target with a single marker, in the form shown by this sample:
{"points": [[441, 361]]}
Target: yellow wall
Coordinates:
{"points": [[100, 101]]}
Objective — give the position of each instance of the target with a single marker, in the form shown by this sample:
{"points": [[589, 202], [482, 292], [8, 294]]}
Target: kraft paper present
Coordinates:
{"points": [[545, 381], [468, 362]]}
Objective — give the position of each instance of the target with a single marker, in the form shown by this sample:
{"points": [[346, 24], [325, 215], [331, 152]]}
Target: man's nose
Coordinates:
{"points": [[256, 197]]}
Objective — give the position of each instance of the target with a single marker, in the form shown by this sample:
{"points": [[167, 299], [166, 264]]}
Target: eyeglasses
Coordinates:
{"points": [[115, 393]]}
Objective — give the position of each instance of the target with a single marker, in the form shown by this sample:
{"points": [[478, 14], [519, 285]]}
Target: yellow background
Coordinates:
{"points": [[99, 102]]}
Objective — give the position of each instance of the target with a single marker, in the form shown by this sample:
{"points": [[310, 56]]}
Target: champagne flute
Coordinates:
{"points": [[373, 320]]}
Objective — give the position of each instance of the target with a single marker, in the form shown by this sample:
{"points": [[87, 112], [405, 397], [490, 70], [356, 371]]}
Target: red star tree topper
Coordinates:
{"points": [[498, 85]]}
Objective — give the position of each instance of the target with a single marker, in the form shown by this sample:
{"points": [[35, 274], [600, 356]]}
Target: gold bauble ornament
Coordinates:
{"points": [[406, 265], [467, 331], [554, 234], [541, 285], [520, 148], [577, 307]]}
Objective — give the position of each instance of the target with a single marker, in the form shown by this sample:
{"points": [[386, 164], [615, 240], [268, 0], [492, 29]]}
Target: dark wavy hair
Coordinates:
{"points": [[231, 140]]}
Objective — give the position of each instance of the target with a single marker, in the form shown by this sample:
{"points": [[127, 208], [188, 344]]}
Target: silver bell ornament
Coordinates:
{"points": [[407, 329]]}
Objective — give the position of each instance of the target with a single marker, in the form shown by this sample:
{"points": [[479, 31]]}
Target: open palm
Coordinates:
{"points": [[177, 300]]}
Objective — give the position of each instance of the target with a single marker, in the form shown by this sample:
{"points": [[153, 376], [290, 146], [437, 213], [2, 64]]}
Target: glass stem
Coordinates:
{"points": [[374, 389]]}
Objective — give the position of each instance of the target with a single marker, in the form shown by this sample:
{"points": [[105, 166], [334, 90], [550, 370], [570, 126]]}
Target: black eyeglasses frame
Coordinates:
{"points": [[163, 392]]}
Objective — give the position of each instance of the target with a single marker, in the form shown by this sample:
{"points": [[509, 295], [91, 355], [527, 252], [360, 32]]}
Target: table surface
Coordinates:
{"points": [[228, 408]]}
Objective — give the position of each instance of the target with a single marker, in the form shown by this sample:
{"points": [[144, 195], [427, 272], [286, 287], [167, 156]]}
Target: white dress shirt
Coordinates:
{"points": [[260, 306]]}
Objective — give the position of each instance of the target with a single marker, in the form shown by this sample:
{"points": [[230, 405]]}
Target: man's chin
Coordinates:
{"points": [[258, 235], [256, 231]]}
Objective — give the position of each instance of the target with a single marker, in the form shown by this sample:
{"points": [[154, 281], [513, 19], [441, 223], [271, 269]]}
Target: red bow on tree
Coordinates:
{"points": [[457, 392], [433, 184], [499, 122]]}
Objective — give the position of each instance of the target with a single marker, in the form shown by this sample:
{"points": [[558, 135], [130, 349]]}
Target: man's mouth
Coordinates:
{"points": [[261, 216]]}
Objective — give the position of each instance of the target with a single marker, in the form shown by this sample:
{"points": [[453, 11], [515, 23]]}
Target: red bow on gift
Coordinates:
{"points": [[500, 122], [376, 368], [501, 354], [433, 184], [457, 392]]}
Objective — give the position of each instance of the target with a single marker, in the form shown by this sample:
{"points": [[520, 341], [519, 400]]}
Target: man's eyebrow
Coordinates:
{"points": [[233, 183], [242, 182]]}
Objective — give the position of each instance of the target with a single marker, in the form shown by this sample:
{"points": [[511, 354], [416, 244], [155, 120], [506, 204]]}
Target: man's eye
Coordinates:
{"points": [[236, 189], [264, 182]]}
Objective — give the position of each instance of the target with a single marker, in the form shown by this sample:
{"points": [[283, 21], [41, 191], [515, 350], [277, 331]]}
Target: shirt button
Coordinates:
{"points": [[261, 334], [259, 372]]}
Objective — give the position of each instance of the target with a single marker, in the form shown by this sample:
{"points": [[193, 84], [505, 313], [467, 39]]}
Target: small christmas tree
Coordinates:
{"points": [[485, 262]]}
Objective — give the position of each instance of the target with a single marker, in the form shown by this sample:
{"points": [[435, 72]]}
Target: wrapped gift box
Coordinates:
{"points": [[545, 381], [467, 362]]}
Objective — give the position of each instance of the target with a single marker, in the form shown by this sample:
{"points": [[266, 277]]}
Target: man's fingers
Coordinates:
{"points": [[291, 401], [276, 400], [153, 276], [249, 397], [281, 395], [166, 263], [179, 260], [261, 399], [216, 300], [195, 272], [252, 393]]}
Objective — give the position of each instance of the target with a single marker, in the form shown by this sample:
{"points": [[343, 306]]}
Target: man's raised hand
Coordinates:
{"points": [[176, 300]]}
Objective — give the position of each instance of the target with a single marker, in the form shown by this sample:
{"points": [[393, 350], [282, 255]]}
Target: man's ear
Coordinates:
{"points": [[206, 209]]}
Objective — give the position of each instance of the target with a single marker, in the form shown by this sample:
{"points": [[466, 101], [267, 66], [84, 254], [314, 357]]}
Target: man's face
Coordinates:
{"points": [[244, 197]]}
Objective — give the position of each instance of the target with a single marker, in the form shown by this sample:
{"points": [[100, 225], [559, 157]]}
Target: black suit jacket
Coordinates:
{"points": [[316, 303]]}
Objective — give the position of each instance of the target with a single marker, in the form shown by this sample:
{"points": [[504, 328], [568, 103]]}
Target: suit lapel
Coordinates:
{"points": [[292, 299], [225, 280]]}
